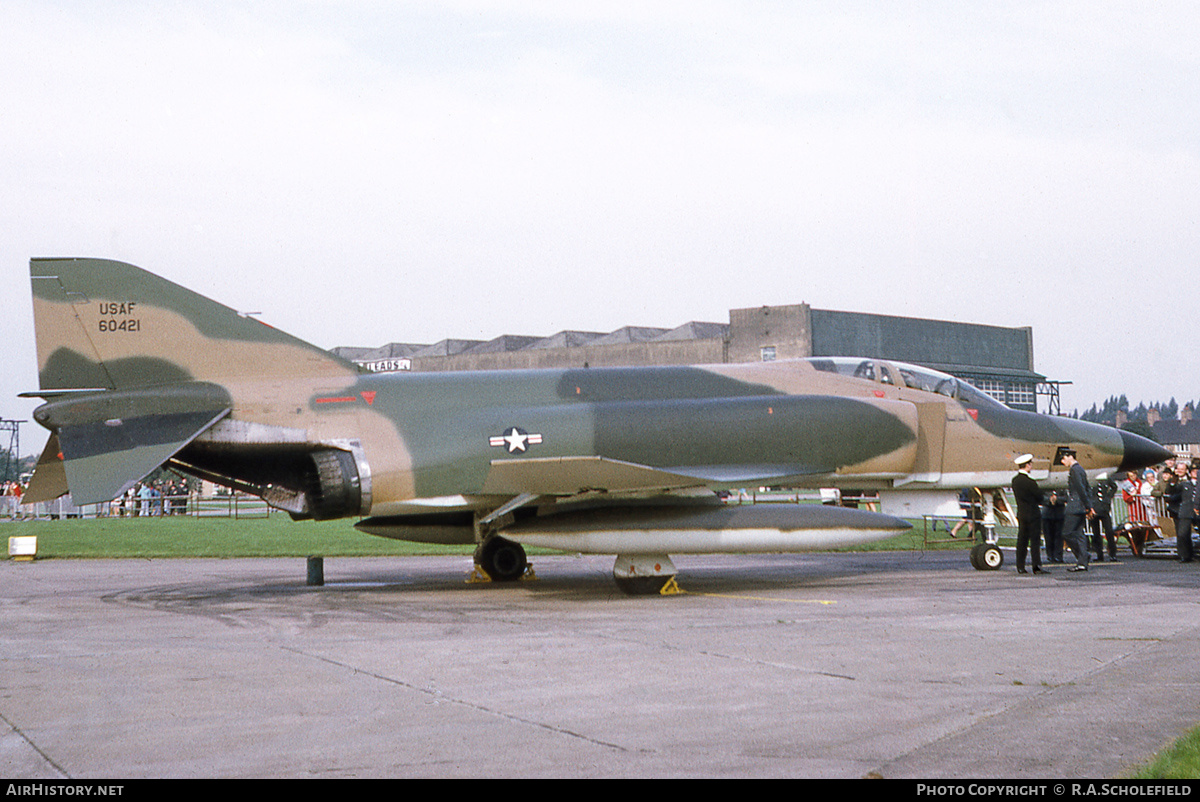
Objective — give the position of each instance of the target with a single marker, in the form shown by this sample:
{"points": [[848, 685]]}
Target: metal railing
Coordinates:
{"points": [[230, 505]]}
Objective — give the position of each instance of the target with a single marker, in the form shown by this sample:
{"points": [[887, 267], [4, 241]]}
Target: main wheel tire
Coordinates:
{"points": [[503, 560], [987, 557]]}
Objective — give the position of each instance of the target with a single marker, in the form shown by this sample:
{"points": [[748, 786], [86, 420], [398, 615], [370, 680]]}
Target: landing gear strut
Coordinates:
{"points": [[986, 554]]}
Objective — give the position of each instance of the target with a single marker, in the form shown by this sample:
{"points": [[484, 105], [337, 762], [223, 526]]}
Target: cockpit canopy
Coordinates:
{"points": [[902, 374]]}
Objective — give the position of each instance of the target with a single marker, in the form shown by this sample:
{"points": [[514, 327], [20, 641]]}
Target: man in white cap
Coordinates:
{"points": [[1029, 515]]}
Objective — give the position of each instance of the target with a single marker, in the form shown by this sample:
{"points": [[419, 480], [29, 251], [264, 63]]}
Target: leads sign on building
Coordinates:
{"points": [[388, 365]]}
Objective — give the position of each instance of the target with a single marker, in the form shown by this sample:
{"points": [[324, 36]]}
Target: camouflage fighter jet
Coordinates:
{"points": [[138, 372]]}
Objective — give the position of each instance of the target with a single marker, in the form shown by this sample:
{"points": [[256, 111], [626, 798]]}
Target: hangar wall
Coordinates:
{"points": [[914, 340]]}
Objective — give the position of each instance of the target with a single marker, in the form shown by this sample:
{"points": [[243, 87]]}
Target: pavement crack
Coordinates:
{"points": [[737, 658], [65, 774], [441, 697]]}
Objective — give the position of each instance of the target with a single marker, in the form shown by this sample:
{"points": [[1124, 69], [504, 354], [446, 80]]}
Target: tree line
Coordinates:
{"points": [[1137, 419]]}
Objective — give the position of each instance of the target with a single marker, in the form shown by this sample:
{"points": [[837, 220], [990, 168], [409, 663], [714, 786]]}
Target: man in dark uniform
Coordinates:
{"points": [[1029, 515], [1181, 505], [1101, 525], [1194, 509], [1052, 520], [1078, 510]]}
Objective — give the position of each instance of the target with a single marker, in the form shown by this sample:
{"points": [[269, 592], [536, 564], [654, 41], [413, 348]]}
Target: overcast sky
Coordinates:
{"points": [[368, 172]]}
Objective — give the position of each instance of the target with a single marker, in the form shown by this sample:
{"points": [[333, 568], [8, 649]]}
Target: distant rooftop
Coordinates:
{"points": [[567, 339], [1177, 432], [629, 334], [389, 351], [696, 330], [503, 344], [447, 347], [506, 343]]}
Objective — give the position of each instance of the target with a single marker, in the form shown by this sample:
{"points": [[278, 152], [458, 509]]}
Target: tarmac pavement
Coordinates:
{"points": [[904, 665]]}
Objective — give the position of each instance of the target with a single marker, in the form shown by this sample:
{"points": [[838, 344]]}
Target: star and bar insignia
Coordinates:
{"points": [[515, 440]]}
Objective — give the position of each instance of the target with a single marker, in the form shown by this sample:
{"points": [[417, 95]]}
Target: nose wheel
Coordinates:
{"points": [[986, 557]]}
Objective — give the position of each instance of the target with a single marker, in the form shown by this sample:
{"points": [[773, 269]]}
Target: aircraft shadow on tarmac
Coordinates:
{"points": [[371, 592], [584, 579]]}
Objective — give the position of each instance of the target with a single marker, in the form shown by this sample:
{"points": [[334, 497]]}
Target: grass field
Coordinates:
{"points": [[1180, 761], [181, 536], [274, 536]]}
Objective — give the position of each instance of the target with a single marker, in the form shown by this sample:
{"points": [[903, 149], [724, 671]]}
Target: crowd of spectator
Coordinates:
{"points": [[1160, 501], [150, 498], [10, 499], [165, 497]]}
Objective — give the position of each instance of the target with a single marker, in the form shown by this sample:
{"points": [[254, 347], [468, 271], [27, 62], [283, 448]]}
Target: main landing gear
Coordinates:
{"points": [[498, 558], [502, 560]]}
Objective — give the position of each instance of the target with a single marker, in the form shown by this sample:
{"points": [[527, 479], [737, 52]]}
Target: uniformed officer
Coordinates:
{"points": [[1181, 505], [1052, 523], [1101, 524], [1029, 515], [1078, 510]]}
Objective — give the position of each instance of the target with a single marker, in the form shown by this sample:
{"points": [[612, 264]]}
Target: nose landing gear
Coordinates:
{"points": [[986, 557]]}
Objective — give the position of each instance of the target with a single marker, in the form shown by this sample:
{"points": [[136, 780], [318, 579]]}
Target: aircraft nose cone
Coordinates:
{"points": [[1141, 452]]}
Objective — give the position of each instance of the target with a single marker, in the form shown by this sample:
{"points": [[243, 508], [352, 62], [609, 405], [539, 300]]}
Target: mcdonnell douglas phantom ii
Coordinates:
{"points": [[137, 372]]}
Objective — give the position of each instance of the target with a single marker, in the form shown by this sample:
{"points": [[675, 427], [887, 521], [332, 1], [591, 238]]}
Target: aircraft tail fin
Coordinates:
{"points": [[108, 325]]}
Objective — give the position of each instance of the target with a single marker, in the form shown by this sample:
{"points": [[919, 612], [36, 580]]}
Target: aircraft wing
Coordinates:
{"points": [[570, 475]]}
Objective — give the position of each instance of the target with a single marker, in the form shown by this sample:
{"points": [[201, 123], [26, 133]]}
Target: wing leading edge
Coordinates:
{"points": [[559, 476]]}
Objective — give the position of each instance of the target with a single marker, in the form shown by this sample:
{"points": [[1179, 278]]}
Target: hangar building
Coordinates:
{"points": [[995, 359]]}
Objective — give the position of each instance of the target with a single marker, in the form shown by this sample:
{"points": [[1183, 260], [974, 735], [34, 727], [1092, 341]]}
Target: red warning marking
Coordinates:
{"points": [[880, 394], [368, 396], [341, 400], [974, 413]]}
